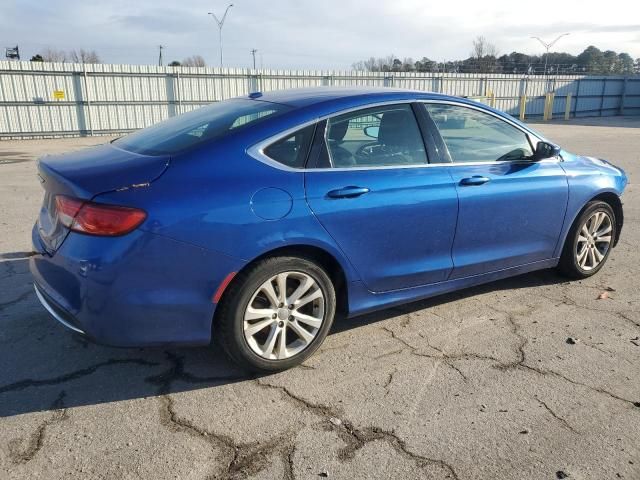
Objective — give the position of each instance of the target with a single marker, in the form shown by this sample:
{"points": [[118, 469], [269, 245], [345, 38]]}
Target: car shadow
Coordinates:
{"points": [[43, 362]]}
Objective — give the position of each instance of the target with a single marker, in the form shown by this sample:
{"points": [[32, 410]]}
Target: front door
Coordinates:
{"points": [[391, 213], [511, 208]]}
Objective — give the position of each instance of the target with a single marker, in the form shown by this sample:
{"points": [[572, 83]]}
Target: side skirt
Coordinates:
{"points": [[362, 301]]}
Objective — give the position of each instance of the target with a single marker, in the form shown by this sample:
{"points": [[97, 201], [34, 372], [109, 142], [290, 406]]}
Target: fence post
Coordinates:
{"points": [[575, 108], [548, 107], [79, 103], [567, 108], [253, 84], [604, 89], [171, 94], [523, 106], [86, 91], [623, 95]]}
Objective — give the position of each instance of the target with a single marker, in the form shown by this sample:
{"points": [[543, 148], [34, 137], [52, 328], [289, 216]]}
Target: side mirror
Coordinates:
{"points": [[372, 131], [546, 150]]}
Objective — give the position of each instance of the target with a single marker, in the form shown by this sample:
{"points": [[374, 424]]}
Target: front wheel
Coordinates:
{"points": [[589, 241], [276, 313]]}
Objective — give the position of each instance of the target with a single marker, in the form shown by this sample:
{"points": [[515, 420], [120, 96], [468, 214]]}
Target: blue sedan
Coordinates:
{"points": [[255, 221]]}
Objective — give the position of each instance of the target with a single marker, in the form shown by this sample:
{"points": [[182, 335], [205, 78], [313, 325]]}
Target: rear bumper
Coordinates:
{"points": [[57, 311], [137, 290]]}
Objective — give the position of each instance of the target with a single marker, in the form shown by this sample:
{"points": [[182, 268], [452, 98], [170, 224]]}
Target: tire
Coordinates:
{"points": [[572, 264], [249, 296]]}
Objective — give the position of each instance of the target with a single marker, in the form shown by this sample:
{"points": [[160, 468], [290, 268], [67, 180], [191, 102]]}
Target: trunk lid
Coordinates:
{"points": [[84, 175]]}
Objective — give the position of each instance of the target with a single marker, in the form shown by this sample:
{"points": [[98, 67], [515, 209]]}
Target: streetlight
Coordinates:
{"points": [[220, 23], [548, 47]]}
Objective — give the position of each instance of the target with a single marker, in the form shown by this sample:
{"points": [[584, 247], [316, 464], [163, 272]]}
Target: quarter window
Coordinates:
{"points": [[374, 137], [292, 150], [474, 136]]}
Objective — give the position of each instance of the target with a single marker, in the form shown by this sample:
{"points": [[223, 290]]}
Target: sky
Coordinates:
{"points": [[329, 34]]}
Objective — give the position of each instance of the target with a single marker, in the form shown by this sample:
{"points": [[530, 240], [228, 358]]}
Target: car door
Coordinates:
{"points": [[369, 184], [511, 207]]}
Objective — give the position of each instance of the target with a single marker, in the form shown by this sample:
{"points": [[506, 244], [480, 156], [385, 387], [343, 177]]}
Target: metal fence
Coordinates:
{"points": [[56, 99]]}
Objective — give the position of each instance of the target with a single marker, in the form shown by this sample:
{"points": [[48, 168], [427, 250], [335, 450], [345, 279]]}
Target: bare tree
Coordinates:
{"points": [[54, 55], [194, 61], [390, 63], [483, 48], [372, 64], [84, 56]]}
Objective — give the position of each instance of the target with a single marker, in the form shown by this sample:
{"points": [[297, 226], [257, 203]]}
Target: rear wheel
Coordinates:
{"points": [[589, 241], [276, 313]]}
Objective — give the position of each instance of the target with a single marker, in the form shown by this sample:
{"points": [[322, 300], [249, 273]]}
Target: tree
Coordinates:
{"points": [[482, 48], [54, 55], [484, 59], [425, 65], [194, 61], [591, 59], [626, 63], [175, 63], [84, 56], [37, 58]]}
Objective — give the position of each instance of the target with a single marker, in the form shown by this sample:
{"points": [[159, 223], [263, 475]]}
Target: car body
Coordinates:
{"points": [[407, 222]]}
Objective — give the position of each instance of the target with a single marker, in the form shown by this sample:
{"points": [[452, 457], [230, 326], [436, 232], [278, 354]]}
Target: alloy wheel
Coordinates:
{"points": [[594, 241], [284, 315]]}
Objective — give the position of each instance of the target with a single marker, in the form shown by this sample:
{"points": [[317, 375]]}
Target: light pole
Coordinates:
{"points": [[253, 52], [548, 46], [220, 23]]}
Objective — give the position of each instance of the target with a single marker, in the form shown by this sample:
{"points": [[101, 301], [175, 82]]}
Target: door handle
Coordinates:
{"points": [[473, 181], [348, 192]]}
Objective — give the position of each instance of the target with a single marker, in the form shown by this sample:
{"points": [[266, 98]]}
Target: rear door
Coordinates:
{"points": [[511, 208], [371, 187]]}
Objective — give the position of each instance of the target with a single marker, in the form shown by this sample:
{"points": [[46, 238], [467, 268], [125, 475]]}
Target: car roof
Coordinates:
{"points": [[305, 97], [319, 101]]}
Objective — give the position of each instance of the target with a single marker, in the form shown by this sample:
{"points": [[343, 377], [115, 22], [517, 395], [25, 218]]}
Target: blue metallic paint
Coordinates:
{"points": [[405, 240], [513, 219], [140, 289], [399, 234]]}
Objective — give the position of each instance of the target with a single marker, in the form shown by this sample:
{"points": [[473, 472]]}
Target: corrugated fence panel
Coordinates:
{"points": [[51, 99]]}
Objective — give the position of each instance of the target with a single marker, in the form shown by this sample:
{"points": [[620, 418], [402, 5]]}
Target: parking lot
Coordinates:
{"points": [[532, 377]]}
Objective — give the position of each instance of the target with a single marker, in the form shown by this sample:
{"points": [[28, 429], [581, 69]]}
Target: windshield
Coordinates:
{"points": [[199, 126]]}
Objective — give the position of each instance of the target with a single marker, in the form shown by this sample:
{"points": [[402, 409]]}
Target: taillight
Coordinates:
{"points": [[97, 218]]}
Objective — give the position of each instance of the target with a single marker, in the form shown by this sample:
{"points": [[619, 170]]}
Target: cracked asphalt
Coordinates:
{"points": [[480, 384]]}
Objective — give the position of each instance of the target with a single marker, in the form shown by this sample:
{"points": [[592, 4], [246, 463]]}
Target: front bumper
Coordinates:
{"points": [[138, 290]]}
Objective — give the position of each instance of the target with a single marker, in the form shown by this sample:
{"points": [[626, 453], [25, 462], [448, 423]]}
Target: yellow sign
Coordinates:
{"points": [[58, 94]]}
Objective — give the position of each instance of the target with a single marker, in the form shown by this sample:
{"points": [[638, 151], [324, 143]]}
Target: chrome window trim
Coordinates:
{"points": [[256, 151]]}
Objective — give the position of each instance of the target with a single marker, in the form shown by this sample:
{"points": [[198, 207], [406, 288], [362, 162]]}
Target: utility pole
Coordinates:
{"points": [[548, 46], [253, 53], [220, 23], [160, 55]]}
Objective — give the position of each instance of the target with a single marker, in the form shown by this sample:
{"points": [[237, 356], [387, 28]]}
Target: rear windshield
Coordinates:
{"points": [[199, 126]]}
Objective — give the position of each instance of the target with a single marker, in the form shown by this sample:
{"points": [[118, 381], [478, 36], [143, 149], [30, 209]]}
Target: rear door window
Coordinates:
{"points": [[375, 137], [199, 126]]}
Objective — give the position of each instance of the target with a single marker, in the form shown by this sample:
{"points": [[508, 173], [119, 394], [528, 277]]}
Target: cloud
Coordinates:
{"points": [[168, 22], [310, 35]]}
